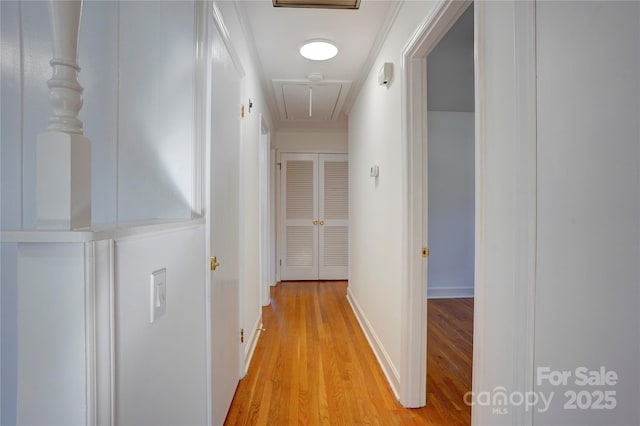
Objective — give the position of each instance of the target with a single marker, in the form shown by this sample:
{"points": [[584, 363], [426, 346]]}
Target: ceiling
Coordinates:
{"points": [[278, 33]]}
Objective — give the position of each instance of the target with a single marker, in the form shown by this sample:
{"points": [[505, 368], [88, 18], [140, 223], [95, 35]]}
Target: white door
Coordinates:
{"points": [[222, 218], [333, 208], [315, 216], [300, 220]]}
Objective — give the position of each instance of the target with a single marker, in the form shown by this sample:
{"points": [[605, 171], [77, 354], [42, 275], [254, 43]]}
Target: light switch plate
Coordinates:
{"points": [[158, 295]]}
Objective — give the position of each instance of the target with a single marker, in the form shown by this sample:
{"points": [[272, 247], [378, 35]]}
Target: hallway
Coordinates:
{"points": [[313, 364]]}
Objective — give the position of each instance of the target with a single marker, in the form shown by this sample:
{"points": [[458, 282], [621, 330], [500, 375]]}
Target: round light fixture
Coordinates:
{"points": [[318, 50]]}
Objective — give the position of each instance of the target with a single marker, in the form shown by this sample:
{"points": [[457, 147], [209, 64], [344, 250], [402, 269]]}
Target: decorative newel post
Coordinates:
{"points": [[63, 153]]}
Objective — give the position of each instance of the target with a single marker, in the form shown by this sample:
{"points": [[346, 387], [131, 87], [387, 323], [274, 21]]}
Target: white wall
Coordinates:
{"points": [[585, 142], [251, 303], [155, 110], [56, 336], [451, 203], [138, 107], [450, 68], [9, 333], [23, 88], [306, 140], [10, 203], [138, 69], [587, 294], [100, 63], [161, 366], [11, 129], [51, 335], [375, 211]]}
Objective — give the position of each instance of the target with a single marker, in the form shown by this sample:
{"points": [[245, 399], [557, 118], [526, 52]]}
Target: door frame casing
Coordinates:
{"points": [[519, 226], [413, 365], [202, 171], [264, 156]]}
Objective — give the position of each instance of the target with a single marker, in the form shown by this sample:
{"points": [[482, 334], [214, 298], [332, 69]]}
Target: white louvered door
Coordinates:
{"points": [[333, 208], [300, 202], [315, 216]]}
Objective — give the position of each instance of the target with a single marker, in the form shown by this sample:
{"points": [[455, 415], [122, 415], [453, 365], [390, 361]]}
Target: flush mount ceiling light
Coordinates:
{"points": [[318, 50]]}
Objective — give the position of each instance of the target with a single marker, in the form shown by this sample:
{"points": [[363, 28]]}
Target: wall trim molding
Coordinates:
{"points": [[388, 368], [252, 342], [449, 292], [413, 364], [90, 335], [525, 208], [521, 213], [99, 332], [201, 110]]}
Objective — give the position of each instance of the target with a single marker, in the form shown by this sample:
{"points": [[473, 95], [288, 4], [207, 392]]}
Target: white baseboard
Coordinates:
{"points": [[449, 292], [389, 370], [252, 341]]}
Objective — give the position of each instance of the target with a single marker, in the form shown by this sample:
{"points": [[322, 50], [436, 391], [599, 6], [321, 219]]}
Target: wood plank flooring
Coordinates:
{"points": [[313, 365]]}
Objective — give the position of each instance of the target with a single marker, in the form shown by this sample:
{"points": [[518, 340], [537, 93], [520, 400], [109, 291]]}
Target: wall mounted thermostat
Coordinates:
{"points": [[385, 74], [374, 171]]}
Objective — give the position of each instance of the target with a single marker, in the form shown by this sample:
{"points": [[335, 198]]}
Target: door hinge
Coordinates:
{"points": [[425, 252], [242, 111], [280, 262], [279, 165], [242, 335]]}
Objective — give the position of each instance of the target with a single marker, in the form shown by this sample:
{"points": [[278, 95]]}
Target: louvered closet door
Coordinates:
{"points": [[333, 197], [300, 206]]}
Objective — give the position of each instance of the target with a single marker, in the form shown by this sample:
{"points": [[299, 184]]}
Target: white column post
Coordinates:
{"points": [[63, 153]]}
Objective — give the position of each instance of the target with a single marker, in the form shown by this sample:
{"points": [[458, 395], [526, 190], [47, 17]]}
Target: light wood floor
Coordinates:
{"points": [[313, 365]]}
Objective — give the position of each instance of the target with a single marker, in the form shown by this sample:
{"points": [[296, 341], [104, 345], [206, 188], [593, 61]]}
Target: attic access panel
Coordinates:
{"points": [[318, 4], [296, 99], [323, 101]]}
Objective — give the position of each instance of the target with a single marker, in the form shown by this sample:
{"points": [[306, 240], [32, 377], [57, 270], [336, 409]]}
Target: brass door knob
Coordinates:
{"points": [[322, 222], [214, 263], [315, 221]]}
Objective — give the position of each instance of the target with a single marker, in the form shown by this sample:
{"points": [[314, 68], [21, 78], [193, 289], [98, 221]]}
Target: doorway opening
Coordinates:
{"points": [[448, 210], [439, 71]]}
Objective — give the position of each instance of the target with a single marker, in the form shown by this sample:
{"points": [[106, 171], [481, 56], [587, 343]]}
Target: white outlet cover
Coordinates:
{"points": [[157, 295]]}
